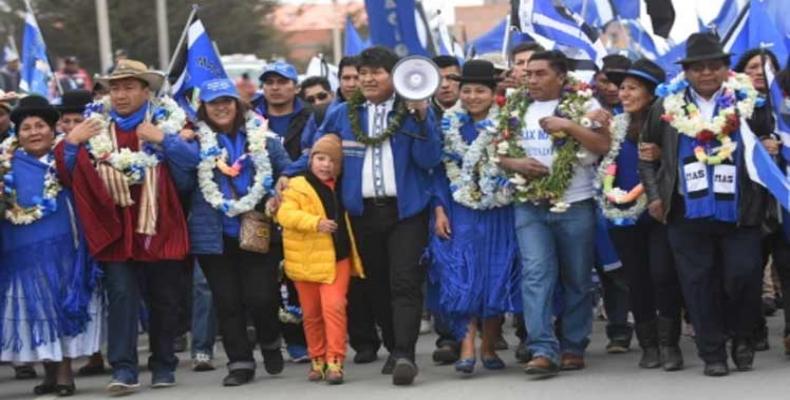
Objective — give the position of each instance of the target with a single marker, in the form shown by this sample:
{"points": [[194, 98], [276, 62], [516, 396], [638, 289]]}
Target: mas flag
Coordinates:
{"points": [[195, 63], [393, 24], [36, 72], [353, 44]]}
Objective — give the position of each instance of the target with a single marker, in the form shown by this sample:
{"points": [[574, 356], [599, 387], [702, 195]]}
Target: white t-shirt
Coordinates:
{"points": [[538, 145]]}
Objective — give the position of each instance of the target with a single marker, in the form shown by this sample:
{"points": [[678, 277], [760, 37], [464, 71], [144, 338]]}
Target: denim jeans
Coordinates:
{"points": [[204, 317], [557, 251], [122, 281]]}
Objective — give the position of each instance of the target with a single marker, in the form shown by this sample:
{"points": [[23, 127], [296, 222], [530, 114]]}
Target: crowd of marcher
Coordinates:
{"points": [[300, 218]]}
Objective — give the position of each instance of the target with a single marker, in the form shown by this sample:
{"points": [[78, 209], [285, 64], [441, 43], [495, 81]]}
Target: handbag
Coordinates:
{"points": [[255, 233]]}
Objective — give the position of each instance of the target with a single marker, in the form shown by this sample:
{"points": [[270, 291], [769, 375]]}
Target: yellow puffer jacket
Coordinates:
{"points": [[309, 254]]}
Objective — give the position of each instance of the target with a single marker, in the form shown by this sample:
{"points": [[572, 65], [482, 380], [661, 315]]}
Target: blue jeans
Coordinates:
{"points": [[122, 281], [556, 248], [204, 317]]}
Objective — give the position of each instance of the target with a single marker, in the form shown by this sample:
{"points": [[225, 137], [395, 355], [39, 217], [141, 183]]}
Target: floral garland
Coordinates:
{"points": [[357, 100], [738, 99], [167, 116], [45, 205], [609, 197], [574, 102], [211, 156], [476, 181]]}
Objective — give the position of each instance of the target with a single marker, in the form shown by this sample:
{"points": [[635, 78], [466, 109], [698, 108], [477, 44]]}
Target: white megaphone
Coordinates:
{"points": [[416, 78]]}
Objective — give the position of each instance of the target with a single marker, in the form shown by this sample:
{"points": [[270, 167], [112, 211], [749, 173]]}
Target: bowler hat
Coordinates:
{"points": [[34, 106], [477, 71], [74, 101], [642, 69], [703, 46]]}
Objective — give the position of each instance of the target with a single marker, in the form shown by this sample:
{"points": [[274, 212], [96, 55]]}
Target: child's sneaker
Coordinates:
{"points": [[317, 370], [297, 353], [334, 373]]}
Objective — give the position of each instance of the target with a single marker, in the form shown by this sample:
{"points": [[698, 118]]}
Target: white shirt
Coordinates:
{"points": [[369, 178], [706, 106], [538, 145]]}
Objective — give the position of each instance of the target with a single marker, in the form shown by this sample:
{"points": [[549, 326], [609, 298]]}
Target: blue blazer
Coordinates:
{"points": [[416, 149]]}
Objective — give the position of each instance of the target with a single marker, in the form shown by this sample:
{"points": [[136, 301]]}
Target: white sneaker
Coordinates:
{"points": [[425, 326], [202, 362]]}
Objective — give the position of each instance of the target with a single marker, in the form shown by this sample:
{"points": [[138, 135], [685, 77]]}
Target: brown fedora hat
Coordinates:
{"points": [[134, 69]]}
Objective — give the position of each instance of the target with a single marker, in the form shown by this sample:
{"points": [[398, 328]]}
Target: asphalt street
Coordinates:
{"points": [[607, 377]]}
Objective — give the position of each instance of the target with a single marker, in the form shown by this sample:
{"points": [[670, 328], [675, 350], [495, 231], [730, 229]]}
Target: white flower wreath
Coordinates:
{"points": [[476, 181], [210, 153], [45, 205], [167, 116]]}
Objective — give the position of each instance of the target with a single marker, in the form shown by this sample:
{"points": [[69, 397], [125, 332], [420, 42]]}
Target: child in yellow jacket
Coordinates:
{"points": [[320, 256]]}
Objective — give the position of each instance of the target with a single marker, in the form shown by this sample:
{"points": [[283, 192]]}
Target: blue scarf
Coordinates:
{"points": [[236, 146], [131, 121], [714, 188]]}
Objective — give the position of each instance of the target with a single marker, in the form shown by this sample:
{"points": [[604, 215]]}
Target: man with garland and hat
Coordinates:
{"points": [[389, 146], [550, 151], [116, 163], [700, 188]]}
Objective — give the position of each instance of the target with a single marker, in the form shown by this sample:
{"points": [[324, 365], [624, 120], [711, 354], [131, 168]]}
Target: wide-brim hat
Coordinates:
{"points": [[477, 71], [134, 69], [34, 106], [703, 46], [642, 69], [74, 101]]}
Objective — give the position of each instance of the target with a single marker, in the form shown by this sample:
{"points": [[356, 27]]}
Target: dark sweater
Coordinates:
{"points": [[334, 210]]}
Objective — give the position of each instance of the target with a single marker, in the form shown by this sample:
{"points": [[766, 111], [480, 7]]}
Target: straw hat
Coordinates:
{"points": [[134, 69]]}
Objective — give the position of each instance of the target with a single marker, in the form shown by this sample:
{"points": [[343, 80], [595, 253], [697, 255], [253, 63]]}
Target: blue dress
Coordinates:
{"points": [[476, 273], [50, 306]]}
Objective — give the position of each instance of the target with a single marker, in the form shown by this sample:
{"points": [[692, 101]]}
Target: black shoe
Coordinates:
{"points": [[366, 356], [92, 370], [65, 390], [273, 361], [22, 372], [716, 369], [650, 358], [445, 355], [238, 377], [523, 355], [761, 339], [180, 344], [742, 354], [668, 338], [389, 366], [404, 372], [44, 388]]}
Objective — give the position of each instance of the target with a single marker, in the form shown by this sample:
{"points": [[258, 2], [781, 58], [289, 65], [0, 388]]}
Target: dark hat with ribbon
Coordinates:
{"points": [[478, 71], [703, 46], [642, 69], [34, 106], [615, 62], [74, 101]]}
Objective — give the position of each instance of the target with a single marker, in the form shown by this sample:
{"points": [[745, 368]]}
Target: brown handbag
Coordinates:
{"points": [[256, 232]]}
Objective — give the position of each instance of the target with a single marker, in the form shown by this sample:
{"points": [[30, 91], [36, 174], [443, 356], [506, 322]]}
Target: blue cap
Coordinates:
{"points": [[215, 88], [281, 68]]}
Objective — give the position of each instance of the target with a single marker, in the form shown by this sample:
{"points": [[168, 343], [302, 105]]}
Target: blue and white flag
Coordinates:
{"points": [[780, 109], [762, 168], [645, 42], [594, 12], [555, 22], [36, 71], [393, 24], [754, 28], [728, 15], [353, 44], [196, 63]]}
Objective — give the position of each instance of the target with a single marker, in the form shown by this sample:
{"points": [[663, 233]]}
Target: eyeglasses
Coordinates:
{"points": [[701, 66], [318, 97]]}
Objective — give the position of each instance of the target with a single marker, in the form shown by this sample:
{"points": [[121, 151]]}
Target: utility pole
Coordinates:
{"points": [[336, 42], [163, 36], [105, 43]]}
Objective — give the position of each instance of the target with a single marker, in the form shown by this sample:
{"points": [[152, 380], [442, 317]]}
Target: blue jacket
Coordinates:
{"points": [[416, 149], [205, 222], [292, 137]]}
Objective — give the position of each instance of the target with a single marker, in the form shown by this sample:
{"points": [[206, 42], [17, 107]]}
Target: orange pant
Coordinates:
{"points": [[324, 314]]}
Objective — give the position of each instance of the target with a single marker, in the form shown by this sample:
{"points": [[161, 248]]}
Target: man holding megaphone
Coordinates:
{"points": [[389, 147]]}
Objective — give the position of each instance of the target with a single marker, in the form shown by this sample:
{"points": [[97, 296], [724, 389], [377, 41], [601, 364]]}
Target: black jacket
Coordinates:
{"points": [[660, 178]]}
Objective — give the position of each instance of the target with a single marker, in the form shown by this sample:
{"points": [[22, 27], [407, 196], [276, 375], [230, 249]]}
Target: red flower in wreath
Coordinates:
{"points": [[732, 125], [666, 118], [705, 136]]}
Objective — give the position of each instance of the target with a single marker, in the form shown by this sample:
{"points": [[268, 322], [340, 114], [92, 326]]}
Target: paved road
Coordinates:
{"points": [[608, 377]]}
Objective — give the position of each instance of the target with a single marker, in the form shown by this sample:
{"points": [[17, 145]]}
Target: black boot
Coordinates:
{"points": [[742, 353], [761, 338], [647, 335], [668, 338]]}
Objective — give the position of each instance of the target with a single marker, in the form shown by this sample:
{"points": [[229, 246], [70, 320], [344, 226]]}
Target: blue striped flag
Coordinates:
{"points": [[36, 71]]}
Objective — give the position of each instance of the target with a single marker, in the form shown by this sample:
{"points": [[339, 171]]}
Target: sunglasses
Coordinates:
{"points": [[318, 97]]}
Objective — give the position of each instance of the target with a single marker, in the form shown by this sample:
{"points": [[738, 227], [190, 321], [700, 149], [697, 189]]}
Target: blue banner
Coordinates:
{"points": [[36, 72], [393, 25], [353, 44]]}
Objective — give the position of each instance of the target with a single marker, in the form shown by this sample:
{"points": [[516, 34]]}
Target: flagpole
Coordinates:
{"points": [[180, 44]]}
